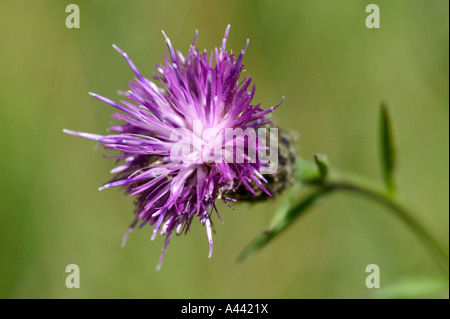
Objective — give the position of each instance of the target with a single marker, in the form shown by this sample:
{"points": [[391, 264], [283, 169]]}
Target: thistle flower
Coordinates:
{"points": [[284, 175], [175, 171]]}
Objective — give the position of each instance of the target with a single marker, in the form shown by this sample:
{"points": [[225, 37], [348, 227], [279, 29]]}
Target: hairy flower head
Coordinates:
{"points": [[187, 141]]}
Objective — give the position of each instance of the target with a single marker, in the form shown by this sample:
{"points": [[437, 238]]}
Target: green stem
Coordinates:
{"points": [[319, 176], [388, 201]]}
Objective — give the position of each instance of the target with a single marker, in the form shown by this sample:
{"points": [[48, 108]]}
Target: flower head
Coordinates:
{"points": [[175, 152]]}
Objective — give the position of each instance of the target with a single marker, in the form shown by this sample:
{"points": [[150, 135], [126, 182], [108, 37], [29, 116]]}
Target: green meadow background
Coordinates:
{"points": [[333, 71]]}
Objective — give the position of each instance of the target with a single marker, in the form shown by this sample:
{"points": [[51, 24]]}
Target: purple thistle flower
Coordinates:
{"points": [[172, 189]]}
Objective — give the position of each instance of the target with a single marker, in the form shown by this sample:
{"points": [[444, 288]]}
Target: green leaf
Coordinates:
{"points": [[388, 149], [284, 217], [306, 171], [413, 288], [287, 203], [323, 164]]}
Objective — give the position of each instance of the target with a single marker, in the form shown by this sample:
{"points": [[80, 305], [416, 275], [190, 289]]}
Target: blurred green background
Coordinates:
{"points": [[333, 72]]}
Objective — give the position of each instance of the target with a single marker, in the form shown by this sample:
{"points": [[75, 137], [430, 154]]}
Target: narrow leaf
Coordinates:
{"points": [[388, 149], [414, 288], [306, 171], [323, 164], [285, 217], [286, 205]]}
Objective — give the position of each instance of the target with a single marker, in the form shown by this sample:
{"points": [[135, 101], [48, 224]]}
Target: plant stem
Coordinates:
{"points": [[386, 199]]}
